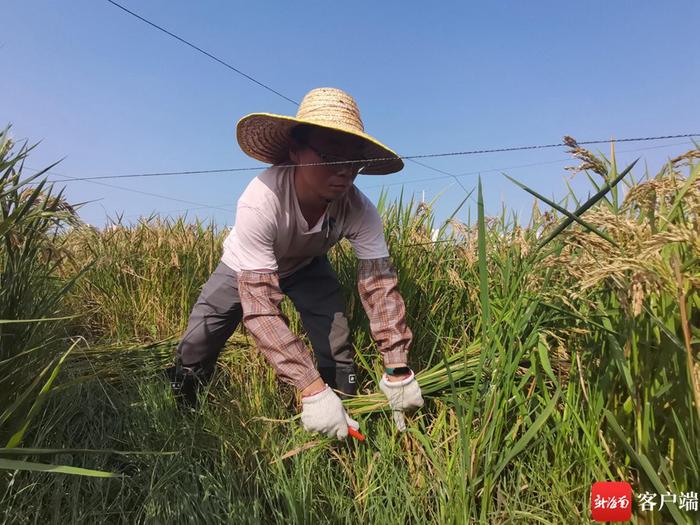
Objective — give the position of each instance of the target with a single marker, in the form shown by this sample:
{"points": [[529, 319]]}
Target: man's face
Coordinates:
{"points": [[333, 181]]}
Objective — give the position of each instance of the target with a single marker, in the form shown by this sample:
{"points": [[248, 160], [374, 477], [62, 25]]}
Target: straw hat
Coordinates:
{"points": [[265, 136]]}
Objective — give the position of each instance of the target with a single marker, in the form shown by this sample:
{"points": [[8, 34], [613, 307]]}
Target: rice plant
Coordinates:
{"points": [[32, 217], [551, 354]]}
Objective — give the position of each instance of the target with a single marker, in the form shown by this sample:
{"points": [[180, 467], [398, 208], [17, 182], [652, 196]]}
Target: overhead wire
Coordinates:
{"points": [[406, 182], [447, 173], [133, 190], [226, 64], [411, 158], [407, 157], [492, 170], [279, 94], [206, 53], [249, 77]]}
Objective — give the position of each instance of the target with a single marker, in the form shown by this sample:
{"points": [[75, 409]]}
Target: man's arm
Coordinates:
{"points": [[259, 289], [385, 308], [260, 298], [377, 284]]}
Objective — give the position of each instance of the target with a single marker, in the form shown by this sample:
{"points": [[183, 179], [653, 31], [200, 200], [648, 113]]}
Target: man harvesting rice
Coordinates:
{"points": [[286, 221]]}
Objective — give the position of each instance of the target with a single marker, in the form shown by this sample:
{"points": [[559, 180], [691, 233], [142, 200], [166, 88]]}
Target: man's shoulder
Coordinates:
{"points": [[266, 189], [357, 212], [356, 202]]}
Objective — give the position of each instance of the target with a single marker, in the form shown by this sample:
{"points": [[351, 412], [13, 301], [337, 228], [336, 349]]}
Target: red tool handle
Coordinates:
{"points": [[356, 434]]}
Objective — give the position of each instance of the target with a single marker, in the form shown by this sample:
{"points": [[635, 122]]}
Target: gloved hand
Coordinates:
{"points": [[404, 396], [324, 412]]}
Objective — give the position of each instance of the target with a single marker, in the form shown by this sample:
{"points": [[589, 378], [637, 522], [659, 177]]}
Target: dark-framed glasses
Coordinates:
{"points": [[337, 163]]}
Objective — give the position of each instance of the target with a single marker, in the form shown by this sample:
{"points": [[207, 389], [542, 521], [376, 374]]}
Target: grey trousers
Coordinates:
{"points": [[316, 294]]}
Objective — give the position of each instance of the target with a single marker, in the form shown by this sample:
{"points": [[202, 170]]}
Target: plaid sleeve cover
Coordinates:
{"points": [[260, 297], [378, 286]]}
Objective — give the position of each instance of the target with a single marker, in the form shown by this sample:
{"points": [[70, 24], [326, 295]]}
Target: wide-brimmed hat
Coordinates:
{"points": [[266, 137]]}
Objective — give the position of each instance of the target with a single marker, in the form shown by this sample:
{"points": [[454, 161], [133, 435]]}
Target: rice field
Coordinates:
{"points": [[552, 354]]}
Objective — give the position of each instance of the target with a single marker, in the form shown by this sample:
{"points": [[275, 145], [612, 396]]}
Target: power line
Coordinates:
{"points": [[416, 181], [406, 157], [168, 212], [217, 59], [491, 170], [220, 61], [412, 158], [447, 173], [147, 193], [265, 86], [545, 146], [169, 173]]}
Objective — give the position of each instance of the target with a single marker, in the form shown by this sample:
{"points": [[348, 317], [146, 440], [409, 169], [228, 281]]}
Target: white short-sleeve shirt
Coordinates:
{"points": [[271, 233]]}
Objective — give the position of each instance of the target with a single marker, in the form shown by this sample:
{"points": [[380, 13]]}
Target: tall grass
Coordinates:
{"points": [[144, 278], [546, 366], [32, 218], [645, 294]]}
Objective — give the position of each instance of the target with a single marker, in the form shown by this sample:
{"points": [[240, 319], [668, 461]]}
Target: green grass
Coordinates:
{"points": [[227, 465]]}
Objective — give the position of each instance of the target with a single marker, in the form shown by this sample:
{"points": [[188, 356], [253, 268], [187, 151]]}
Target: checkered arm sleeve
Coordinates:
{"points": [[378, 287], [260, 298]]}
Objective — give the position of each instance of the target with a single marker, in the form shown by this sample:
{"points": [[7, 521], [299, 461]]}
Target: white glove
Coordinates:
{"points": [[403, 396], [324, 412]]}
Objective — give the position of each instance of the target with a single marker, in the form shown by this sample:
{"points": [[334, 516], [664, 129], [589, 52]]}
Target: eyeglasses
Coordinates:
{"points": [[336, 162]]}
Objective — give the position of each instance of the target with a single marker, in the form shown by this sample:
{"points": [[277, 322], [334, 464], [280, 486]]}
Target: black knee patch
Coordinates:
{"points": [[342, 378]]}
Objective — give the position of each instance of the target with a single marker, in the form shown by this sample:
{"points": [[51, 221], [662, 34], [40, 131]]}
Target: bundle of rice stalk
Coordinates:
{"points": [[458, 370], [115, 361]]}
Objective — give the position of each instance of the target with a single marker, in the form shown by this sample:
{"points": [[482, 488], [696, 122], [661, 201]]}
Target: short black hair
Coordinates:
{"points": [[300, 133]]}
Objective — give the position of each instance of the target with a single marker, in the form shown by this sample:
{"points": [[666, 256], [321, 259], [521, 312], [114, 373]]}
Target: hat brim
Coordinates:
{"points": [[266, 137]]}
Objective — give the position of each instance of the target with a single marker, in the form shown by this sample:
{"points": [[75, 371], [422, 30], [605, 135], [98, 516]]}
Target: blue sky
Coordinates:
{"points": [[113, 95]]}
